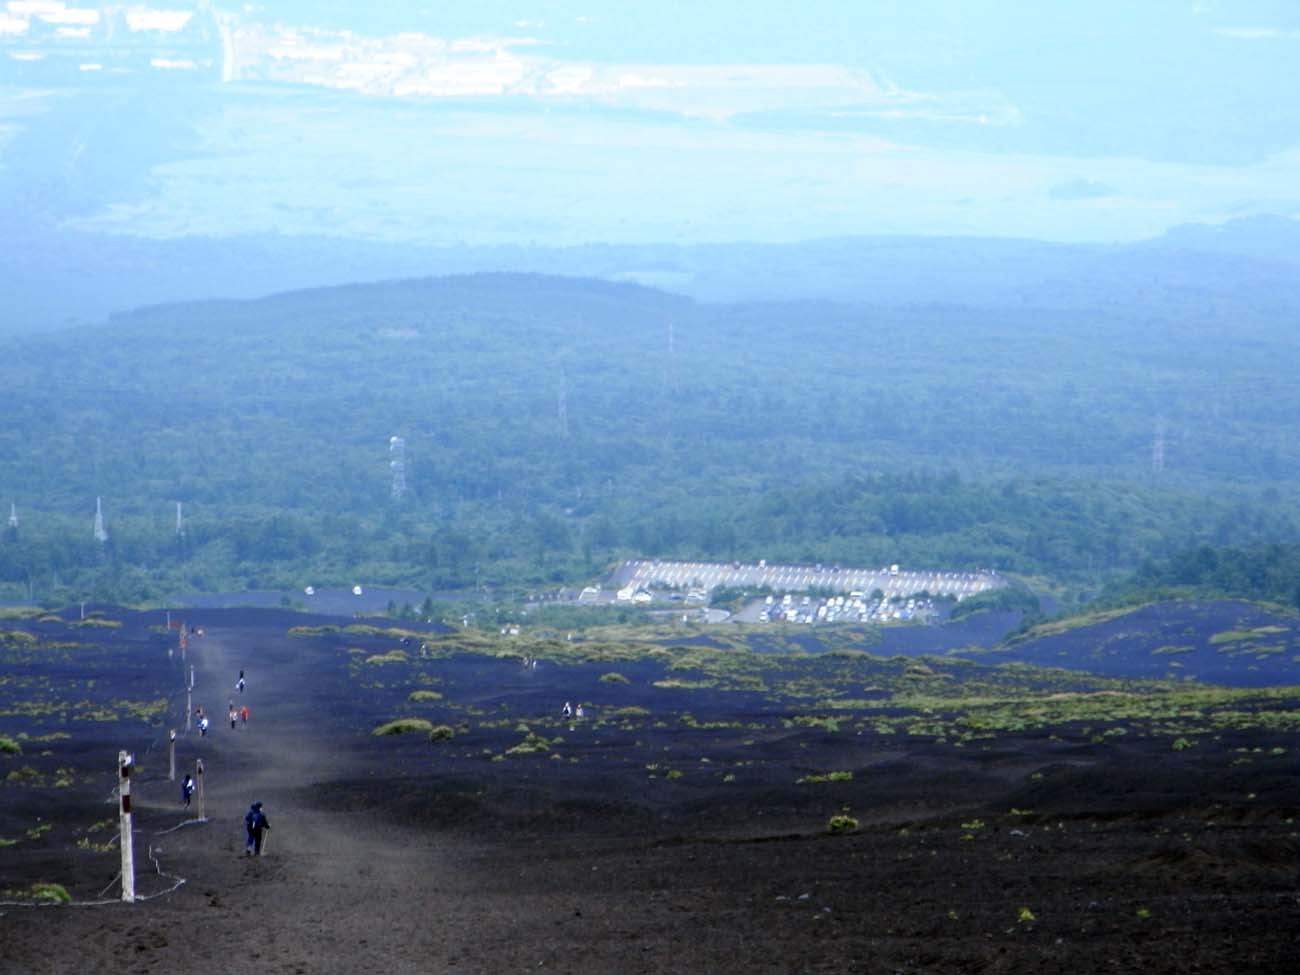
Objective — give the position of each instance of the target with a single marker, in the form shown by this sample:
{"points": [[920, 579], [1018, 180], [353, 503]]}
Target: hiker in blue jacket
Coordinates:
{"points": [[255, 822]]}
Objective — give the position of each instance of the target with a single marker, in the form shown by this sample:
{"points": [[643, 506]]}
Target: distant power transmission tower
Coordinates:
{"points": [[180, 521], [101, 535], [562, 406], [13, 515], [1158, 448], [397, 464]]}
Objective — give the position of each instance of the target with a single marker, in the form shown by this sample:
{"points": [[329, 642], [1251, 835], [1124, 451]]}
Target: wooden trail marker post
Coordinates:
{"points": [[198, 777], [124, 765], [171, 757], [189, 702]]}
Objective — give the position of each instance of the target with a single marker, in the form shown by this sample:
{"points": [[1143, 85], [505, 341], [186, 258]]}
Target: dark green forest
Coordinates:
{"points": [[554, 426], [1268, 573]]}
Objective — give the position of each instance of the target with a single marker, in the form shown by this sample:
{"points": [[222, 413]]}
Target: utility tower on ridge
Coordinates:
{"points": [[13, 515], [397, 464], [101, 535], [180, 521], [1158, 448]]}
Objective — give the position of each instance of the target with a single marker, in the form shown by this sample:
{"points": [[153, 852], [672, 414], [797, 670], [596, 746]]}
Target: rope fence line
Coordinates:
{"points": [[102, 901], [113, 797], [189, 822]]}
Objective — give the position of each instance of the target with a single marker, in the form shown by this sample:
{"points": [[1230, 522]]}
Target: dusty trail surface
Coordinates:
{"points": [[333, 889]]}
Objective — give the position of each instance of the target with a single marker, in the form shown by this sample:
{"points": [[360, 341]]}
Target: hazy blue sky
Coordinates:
{"points": [[562, 122]]}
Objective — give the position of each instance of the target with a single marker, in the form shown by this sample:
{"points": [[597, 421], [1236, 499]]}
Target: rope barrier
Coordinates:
{"points": [[188, 822], [100, 900]]}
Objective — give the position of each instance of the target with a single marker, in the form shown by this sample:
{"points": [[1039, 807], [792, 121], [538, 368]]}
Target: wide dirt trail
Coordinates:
{"points": [[334, 888], [334, 892]]}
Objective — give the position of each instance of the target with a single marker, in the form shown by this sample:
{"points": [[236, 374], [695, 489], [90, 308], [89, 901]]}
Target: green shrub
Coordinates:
{"points": [[10, 747], [530, 745], [441, 732], [816, 778], [841, 823], [812, 721], [613, 677], [51, 892], [391, 657], [404, 725], [1181, 744], [418, 696]]}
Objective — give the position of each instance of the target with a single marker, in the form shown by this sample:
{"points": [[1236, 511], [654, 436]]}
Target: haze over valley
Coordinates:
{"points": [[702, 488]]}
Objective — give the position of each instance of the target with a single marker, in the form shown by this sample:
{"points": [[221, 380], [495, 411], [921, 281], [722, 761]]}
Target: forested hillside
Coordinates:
{"points": [[1268, 573], [553, 425]]}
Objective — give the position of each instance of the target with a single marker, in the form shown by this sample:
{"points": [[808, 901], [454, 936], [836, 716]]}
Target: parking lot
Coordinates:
{"points": [[887, 585]]}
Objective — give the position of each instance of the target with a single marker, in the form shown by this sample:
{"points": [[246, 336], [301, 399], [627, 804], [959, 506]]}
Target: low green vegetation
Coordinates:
{"points": [[56, 893], [943, 699], [1007, 599], [391, 657], [404, 726], [819, 777], [841, 823], [1240, 636], [531, 745]]}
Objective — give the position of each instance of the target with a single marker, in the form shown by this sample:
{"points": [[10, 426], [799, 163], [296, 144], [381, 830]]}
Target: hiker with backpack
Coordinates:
{"points": [[256, 825]]}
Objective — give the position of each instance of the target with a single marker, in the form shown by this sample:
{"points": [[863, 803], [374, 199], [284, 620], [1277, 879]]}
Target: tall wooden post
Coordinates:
{"points": [[124, 763], [171, 756], [198, 777]]}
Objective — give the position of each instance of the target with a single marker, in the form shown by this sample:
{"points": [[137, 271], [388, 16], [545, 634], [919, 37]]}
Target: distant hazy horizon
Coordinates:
{"points": [[562, 123]]}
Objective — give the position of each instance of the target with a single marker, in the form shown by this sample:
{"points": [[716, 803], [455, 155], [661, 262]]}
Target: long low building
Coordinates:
{"points": [[638, 574]]}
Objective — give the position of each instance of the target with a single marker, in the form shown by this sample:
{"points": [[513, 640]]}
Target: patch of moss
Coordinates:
{"points": [[403, 726], [391, 657], [819, 777]]}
